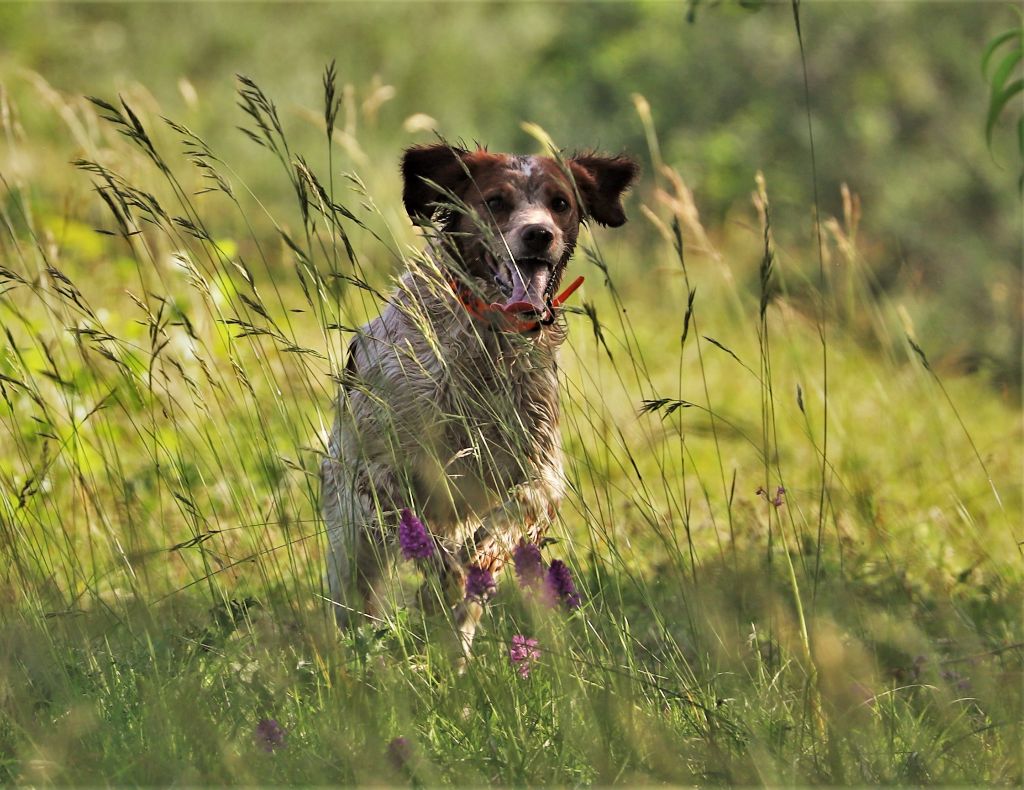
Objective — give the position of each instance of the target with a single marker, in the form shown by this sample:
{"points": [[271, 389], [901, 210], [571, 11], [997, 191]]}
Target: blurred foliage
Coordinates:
{"points": [[1005, 53], [897, 104]]}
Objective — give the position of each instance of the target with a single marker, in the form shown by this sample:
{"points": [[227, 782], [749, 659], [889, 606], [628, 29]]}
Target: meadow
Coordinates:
{"points": [[792, 428]]}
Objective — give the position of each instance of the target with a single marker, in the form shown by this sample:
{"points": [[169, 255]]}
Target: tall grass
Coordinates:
{"points": [[758, 607]]}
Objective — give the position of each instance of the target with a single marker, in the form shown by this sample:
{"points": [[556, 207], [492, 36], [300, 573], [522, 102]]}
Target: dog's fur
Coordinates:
{"points": [[441, 412]]}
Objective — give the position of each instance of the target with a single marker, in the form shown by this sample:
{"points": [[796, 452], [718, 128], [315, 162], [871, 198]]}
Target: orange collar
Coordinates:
{"points": [[495, 314]]}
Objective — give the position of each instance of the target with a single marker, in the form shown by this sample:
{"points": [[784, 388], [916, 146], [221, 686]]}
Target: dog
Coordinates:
{"points": [[448, 406]]}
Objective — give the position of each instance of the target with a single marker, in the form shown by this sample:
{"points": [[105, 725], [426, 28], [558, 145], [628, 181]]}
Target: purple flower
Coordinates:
{"points": [[529, 565], [399, 753], [523, 653], [955, 679], [269, 735], [479, 583], [413, 537], [560, 587], [777, 500]]}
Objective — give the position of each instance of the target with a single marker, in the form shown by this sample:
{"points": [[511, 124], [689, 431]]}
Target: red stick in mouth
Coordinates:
{"points": [[527, 307], [515, 309], [559, 300], [508, 314]]}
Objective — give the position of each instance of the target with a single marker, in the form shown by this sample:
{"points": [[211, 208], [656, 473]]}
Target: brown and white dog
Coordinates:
{"points": [[449, 401]]}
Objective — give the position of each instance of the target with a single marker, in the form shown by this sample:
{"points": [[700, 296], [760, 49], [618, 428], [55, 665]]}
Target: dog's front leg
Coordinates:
{"points": [[468, 614], [357, 498], [525, 515]]}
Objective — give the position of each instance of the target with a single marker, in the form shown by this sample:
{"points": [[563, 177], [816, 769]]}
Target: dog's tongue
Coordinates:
{"points": [[528, 294]]}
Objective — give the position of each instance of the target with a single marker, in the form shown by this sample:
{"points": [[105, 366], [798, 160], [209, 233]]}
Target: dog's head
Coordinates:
{"points": [[512, 222]]}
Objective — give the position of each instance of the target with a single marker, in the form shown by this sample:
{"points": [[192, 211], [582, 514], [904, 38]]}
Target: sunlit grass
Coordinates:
{"points": [[167, 387]]}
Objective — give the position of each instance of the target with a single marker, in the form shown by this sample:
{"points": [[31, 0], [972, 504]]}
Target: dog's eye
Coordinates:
{"points": [[559, 204], [495, 203]]}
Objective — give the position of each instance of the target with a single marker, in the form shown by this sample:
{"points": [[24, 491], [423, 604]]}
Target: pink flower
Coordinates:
{"points": [[399, 753], [529, 565], [560, 587], [414, 539], [479, 583], [523, 654], [778, 500], [269, 735]]}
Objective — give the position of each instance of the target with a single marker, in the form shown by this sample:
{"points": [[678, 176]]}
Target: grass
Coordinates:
{"points": [[167, 385]]}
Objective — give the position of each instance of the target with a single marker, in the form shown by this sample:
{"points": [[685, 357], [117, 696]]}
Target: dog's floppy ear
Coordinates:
{"points": [[601, 180], [425, 166]]}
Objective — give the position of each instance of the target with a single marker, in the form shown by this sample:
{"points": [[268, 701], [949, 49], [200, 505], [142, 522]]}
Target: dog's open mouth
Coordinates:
{"points": [[524, 285]]}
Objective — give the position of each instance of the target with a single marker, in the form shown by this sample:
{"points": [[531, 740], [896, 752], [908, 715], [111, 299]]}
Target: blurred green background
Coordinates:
{"points": [[897, 101]]}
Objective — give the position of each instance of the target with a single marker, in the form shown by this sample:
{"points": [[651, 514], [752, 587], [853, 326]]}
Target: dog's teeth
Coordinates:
{"points": [[503, 286]]}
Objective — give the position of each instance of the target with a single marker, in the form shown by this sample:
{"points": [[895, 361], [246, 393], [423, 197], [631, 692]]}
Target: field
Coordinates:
{"points": [[791, 392]]}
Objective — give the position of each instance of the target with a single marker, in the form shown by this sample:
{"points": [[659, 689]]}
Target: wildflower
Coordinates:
{"points": [[479, 583], [560, 587], [413, 537], [269, 735], [955, 679], [399, 753], [529, 565], [777, 500], [523, 654]]}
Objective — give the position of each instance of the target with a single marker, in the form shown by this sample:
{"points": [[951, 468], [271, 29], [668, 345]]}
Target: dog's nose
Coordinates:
{"points": [[536, 238]]}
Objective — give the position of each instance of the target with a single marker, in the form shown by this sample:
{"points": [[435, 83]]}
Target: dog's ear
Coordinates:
{"points": [[425, 166], [601, 181]]}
